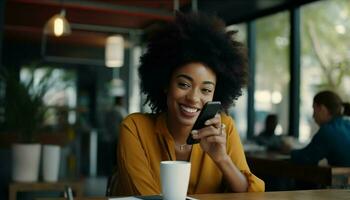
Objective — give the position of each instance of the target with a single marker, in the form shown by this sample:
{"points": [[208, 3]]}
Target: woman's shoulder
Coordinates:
{"points": [[339, 124], [335, 123], [140, 118], [226, 119], [229, 123], [345, 120]]}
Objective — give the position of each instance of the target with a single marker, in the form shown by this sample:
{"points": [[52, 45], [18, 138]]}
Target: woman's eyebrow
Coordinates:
{"points": [[191, 79], [184, 76], [209, 82]]}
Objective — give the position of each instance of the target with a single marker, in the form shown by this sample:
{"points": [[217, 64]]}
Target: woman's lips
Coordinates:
{"points": [[189, 111]]}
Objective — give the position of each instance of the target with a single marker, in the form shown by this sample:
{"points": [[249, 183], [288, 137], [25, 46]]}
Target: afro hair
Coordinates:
{"points": [[193, 37]]}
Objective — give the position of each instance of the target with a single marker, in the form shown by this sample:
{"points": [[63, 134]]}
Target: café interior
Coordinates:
{"points": [[295, 48]]}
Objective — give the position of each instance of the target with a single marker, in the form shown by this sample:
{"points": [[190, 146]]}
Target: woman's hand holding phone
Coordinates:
{"points": [[212, 138], [209, 110], [209, 131]]}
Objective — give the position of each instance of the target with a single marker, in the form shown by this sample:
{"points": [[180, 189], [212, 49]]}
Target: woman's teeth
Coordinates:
{"points": [[188, 109]]}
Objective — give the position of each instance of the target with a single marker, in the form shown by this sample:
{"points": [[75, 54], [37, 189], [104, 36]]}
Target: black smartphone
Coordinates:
{"points": [[208, 111]]}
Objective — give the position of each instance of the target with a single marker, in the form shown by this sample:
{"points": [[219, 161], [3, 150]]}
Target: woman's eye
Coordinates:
{"points": [[206, 91], [183, 85]]}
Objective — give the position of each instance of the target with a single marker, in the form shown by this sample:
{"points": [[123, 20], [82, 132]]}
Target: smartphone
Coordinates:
{"points": [[208, 111]]}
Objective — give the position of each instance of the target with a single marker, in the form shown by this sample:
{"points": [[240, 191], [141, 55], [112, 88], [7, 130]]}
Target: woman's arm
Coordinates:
{"points": [[227, 152], [135, 176], [313, 152], [233, 176]]}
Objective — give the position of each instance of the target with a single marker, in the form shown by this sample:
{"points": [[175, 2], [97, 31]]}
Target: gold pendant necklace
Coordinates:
{"points": [[181, 146]]}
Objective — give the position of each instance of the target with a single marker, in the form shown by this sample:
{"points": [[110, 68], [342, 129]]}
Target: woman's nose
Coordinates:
{"points": [[193, 96]]}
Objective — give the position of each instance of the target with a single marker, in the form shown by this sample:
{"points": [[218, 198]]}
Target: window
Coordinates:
{"points": [[272, 70], [60, 91], [325, 59], [135, 97], [239, 110]]}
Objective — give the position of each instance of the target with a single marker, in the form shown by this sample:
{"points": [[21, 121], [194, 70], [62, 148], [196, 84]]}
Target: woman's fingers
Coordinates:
{"points": [[209, 131], [205, 132], [220, 138], [215, 121], [216, 139]]}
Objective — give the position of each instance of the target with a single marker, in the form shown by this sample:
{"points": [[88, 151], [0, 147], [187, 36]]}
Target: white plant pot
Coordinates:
{"points": [[51, 162], [25, 162]]}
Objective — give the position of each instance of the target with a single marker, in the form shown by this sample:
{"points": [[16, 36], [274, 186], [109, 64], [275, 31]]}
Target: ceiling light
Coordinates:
{"points": [[114, 52], [58, 25]]}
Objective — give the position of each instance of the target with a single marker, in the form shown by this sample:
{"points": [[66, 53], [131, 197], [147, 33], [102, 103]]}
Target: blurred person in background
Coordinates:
{"points": [[267, 137], [332, 140], [273, 142], [108, 142], [113, 119]]}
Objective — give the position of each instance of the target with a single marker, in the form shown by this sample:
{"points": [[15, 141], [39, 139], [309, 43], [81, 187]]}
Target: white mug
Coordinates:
{"points": [[175, 176]]}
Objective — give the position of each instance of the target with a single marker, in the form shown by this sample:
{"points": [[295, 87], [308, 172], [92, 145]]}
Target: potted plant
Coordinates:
{"points": [[24, 115]]}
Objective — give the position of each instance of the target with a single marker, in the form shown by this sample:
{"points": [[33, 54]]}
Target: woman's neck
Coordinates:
{"points": [[178, 131]]}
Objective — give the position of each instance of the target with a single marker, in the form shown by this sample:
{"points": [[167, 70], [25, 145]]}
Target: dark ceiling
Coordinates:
{"points": [[25, 19]]}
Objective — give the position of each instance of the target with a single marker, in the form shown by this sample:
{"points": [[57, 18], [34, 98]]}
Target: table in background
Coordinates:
{"points": [[279, 165], [15, 187]]}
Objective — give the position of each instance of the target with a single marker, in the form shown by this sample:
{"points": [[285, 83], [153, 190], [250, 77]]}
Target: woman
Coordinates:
{"points": [[189, 62], [332, 140]]}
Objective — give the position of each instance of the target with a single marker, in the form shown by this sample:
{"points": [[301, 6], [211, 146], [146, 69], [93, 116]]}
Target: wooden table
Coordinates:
{"points": [[286, 195], [292, 195], [15, 187]]}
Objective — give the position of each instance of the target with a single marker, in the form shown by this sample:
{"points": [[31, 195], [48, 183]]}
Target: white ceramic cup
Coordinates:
{"points": [[174, 176], [51, 162]]}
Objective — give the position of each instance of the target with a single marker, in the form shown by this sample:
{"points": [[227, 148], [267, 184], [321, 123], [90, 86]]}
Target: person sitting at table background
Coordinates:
{"points": [[195, 61], [109, 139], [267, 137], [332, 140]]}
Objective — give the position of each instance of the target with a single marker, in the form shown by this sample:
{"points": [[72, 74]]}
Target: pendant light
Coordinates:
{"points": [[58, 25], [114, 52]]}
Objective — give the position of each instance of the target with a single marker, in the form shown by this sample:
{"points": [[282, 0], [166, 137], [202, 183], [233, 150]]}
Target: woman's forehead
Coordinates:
{"points": [[196, 70]]}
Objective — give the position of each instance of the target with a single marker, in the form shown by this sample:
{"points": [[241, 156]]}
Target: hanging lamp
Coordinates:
{"points": [[114, 52], [58, 25]]}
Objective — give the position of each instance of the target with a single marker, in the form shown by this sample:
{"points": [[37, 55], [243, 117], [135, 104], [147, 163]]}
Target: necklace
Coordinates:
{"points": [[181, 146]]}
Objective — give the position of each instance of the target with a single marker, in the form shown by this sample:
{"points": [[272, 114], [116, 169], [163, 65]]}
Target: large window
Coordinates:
{"points": [[272, 70], [239, 110], [135, 97], [325, 60]]}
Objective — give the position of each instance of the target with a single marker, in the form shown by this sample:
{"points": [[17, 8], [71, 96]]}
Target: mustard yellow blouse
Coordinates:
{"points": [[144, 141]]}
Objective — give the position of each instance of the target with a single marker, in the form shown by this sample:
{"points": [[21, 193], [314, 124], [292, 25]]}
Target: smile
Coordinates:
{"points": [[189, 109]]}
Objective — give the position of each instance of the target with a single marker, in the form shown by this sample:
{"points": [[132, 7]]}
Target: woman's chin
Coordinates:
{"points": [[186, 122]]}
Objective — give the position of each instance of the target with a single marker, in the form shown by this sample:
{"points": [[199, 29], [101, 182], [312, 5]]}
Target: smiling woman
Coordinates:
{"points": [[191, 86], [198, 62]]}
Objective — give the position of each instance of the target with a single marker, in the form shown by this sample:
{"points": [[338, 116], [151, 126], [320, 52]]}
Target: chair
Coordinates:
{"points": [[112, 180], [340, 177]]}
